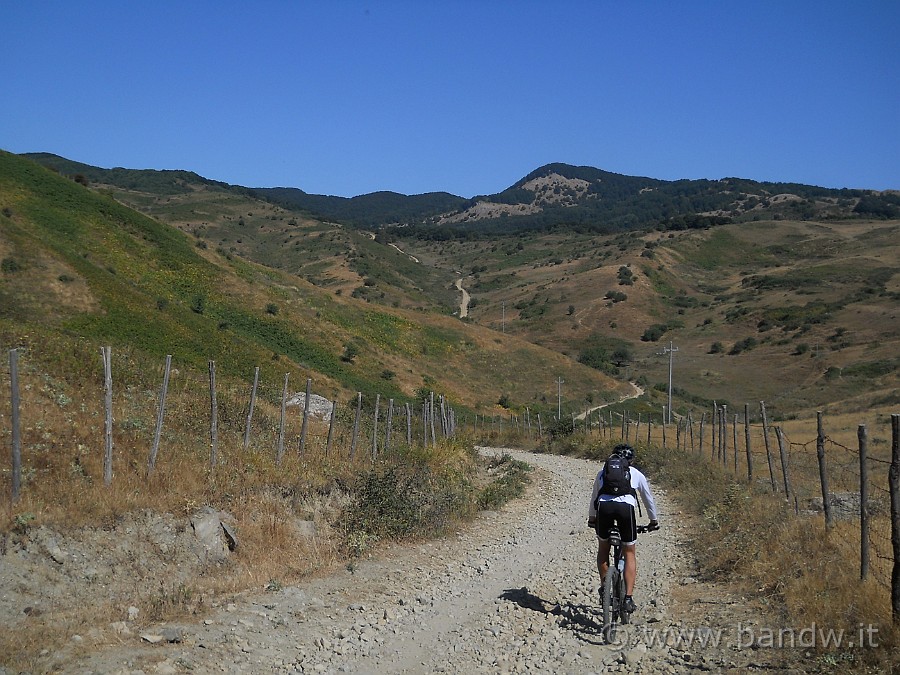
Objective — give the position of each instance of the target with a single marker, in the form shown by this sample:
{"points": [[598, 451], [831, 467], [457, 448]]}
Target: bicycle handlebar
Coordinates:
{"points": [[641, 529]]}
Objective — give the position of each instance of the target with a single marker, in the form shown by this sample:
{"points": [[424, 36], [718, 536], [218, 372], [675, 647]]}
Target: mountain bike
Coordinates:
{"points": [[613, 591]]}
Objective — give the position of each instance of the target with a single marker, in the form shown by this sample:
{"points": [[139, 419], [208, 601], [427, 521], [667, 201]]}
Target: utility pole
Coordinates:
{"points": [[559, 384], [670, 350]]}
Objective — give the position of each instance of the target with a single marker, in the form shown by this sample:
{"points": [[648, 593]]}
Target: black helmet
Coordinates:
{"points": [[624, 451]]}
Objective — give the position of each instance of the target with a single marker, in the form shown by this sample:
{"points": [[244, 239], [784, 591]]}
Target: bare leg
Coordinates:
{"points": [[630, 568], [603, 558]]}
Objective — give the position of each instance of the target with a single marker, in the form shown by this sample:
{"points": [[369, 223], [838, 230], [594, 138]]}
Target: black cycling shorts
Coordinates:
{"points": [[611, 512]]}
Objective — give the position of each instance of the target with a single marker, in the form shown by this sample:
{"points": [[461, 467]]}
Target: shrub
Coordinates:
{"points": [[10, 265], [512, 476], [351, 351], [745, 344], [654, 332], [198, 304]]}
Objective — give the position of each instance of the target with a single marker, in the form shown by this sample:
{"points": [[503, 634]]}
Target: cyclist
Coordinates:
{"points": [[607, 509]]}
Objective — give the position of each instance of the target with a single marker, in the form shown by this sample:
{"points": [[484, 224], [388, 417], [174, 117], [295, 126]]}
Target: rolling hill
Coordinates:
{"points": [[81, 270], [781, 292]]}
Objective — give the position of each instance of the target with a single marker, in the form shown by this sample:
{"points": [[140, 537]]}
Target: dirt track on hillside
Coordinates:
{"points": [[514, 592]]}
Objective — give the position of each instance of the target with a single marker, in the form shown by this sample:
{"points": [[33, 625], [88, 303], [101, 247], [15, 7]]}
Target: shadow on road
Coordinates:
{"points": [[580, 619]]}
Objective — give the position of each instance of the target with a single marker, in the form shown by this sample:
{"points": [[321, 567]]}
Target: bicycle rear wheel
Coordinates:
{"points": [[610, 583], [624, 616]]}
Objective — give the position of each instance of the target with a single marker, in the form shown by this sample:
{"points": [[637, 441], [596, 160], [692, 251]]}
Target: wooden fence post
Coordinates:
{"points": [[355, 436], [863, 502], [702, 422], [159, 414], [213, 417], [723, 435], [375, 429], [305, 425], [894, 483], [331, 428], [387, 423], [279, 450], [431, 420], [746, 443], [250, 409], [713, 424], [691, 428], [16, 433], [765, 421], [107, 387], [409, 424], [784, 464], [734, 434], [823, 474]]}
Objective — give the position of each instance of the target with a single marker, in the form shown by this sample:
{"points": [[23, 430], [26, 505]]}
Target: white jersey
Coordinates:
{"points": [[641, 487]]}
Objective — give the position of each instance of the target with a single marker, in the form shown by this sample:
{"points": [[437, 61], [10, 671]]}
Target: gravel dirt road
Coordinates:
{"points": [[513, 592]]}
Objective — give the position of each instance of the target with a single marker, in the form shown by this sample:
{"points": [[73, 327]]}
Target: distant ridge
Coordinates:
{"points": [[553, 196]]}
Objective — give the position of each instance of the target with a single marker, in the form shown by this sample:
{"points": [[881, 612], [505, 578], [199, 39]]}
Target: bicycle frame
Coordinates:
{"points": [[613, 591]]}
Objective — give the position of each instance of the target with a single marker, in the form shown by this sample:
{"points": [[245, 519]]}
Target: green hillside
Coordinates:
{"points": [[81, 270]]}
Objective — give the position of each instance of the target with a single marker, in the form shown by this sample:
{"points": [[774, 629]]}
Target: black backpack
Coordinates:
{"points": [[617, 477]]}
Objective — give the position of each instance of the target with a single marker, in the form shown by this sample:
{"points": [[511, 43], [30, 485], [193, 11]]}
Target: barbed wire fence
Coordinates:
{"points": [[845, 483], [334, 432], [823, 477]]}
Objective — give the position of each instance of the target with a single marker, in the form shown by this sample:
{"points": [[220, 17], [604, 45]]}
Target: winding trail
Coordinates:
{"points": [[514, 592], [638, 391], [408, 255], [464, 302]]}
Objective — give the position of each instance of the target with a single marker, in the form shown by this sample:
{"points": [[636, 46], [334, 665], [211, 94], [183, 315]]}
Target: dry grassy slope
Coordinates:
{"points": [[832, 263], [342, 260], [567, 276], [239, 225], [472, 365]]}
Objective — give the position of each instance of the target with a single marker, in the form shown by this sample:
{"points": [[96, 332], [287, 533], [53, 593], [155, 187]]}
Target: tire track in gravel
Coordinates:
{"points": [[515, 591]]}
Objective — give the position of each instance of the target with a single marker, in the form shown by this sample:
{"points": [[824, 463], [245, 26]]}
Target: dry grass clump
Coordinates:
{"points": [[807, 574], [746, 534], [292, 518]]}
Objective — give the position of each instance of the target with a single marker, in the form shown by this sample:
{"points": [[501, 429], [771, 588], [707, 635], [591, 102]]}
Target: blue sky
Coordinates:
{"points": [[467, 97]]}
